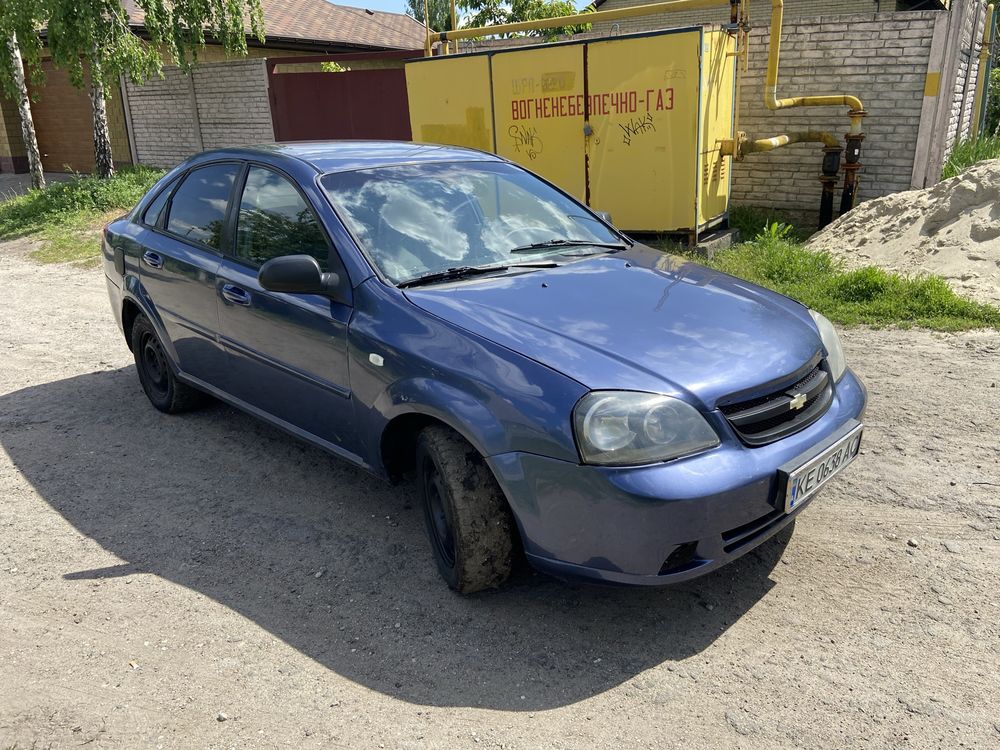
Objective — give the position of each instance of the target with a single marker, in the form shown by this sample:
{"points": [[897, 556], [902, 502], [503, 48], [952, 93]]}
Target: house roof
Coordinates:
{"points": [[320, 22]]}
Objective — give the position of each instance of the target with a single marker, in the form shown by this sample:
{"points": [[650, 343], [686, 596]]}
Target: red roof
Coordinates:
{"points": [[321, 22]]}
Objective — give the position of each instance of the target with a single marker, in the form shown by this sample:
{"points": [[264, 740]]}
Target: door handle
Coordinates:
{"points": [[236, 295], [151, 259]]}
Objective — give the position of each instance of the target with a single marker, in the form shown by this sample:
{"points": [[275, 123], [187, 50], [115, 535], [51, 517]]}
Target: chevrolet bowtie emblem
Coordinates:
{"points": [[798, 401]]}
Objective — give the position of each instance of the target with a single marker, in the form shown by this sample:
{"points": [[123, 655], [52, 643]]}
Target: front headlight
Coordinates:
{"points": [[831, 342], [625, 428]]}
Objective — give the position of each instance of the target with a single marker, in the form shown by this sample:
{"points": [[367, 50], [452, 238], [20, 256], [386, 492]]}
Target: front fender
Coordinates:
{"points": [[404, 360], [464, 414]]}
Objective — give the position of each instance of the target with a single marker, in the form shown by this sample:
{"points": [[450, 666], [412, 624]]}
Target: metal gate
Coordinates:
{"points": [[356, 103]]}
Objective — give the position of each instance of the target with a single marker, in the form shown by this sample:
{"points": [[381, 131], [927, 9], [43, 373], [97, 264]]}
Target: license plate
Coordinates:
{"points": [[817, 469]]}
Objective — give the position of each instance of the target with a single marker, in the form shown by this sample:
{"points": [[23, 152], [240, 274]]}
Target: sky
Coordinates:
{"points": [[396, 6]]}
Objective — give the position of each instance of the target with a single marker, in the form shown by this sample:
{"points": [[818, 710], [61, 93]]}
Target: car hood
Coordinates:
{"points": [[636, 320]]}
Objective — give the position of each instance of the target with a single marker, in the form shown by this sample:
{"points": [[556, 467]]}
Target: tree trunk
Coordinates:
{"points": [[103, 158], [24, 112]]}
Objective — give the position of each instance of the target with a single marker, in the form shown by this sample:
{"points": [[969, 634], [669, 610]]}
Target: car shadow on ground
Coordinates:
{"points": [[229, 507]]}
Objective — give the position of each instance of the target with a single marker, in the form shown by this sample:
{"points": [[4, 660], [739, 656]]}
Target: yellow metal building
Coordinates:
{"points": [[631, 125]]}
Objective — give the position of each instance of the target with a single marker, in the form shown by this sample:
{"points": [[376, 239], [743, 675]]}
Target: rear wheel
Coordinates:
{"points": [[469, 524], [162, 387]]}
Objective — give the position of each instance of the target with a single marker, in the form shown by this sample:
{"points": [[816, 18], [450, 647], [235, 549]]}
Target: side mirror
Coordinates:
{"points": [[297, 274], [605, 217]]}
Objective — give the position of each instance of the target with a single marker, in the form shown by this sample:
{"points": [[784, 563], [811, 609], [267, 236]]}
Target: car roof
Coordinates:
{"points": [[342, 156]]}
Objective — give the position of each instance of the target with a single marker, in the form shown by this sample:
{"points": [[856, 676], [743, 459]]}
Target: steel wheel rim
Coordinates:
{"points": [[154, 365], [437, 517]]}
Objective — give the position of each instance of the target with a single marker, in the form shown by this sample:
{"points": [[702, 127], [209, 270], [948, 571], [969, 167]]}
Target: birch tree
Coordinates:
{"points": [[93, 41], [22, 18]]}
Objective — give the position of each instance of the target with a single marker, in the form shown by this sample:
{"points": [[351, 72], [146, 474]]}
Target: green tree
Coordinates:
{"points": [[93, 41], [438, 11], [493, 12], [20, 44]]}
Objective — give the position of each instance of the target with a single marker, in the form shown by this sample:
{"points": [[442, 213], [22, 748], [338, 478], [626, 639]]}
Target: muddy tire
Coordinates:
{"points": [[470, 527], [161, 386]]}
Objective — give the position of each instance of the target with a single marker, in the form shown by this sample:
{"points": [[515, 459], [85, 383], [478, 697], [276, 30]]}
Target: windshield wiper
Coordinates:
{"points": [[460, 272], [616, 246]]}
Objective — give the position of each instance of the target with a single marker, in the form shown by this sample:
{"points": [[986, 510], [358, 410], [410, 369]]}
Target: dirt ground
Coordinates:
{"points": [[205, 581]]}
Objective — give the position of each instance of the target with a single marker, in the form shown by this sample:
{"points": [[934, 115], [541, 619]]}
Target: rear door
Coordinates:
{"points": [[179, 261], [289, 351]]}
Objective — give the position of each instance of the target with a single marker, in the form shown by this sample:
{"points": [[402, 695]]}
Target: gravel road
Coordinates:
{"points": [[206, 581]]}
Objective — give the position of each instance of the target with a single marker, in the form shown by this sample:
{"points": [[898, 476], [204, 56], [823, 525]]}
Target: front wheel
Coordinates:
{"points": [[158, 381], [469, 524]]}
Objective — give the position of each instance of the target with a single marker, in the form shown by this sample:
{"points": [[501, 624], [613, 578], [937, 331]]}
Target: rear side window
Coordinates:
{"points": [[274, 220], [198, 208], [153, 211]]}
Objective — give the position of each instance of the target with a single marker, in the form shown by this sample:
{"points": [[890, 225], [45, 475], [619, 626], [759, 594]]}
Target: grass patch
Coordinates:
{"points": [[869, 296], [751, 221], [67, 216], [971, 151]]}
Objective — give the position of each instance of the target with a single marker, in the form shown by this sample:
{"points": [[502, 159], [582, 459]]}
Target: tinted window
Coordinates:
{"points": [[274, 220], [198, 208], [422, 218], [152, 215]]}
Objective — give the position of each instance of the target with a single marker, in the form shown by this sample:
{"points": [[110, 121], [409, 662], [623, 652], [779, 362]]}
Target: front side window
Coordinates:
{"points": [[419, 219], [198, 208], [274, 220]]}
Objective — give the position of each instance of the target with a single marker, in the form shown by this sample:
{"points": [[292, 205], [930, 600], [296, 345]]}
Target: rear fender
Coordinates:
{"points": [[134, 292]]}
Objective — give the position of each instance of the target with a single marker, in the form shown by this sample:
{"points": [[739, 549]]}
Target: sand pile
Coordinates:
{"points": [[951, 229]]}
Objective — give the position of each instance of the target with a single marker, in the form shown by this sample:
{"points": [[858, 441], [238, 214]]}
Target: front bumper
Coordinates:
{"points": [[664, 523]]}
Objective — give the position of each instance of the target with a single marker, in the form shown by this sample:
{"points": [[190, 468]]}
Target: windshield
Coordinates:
{"points": [[419, 219]]}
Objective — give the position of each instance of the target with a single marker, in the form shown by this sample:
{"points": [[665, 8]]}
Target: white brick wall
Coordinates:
{"points": [[880, 58], [220, 104], [233, 105], [162, 120]]}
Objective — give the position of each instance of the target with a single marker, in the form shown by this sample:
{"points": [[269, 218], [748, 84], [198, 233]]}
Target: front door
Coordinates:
{"points": [[181, 256], [289, 351]]}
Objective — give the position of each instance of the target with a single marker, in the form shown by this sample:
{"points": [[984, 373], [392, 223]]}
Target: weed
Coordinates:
{"points": [[67, 216]]}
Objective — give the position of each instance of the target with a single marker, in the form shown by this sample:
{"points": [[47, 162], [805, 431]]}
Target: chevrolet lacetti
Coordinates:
{"points": [[621, 414]]}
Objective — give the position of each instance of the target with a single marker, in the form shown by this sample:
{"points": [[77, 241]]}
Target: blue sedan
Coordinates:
{"points": [[620, 414]]}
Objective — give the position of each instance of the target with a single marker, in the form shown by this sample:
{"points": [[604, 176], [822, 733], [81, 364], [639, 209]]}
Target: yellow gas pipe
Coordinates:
{"points": [[771, 83], [741, 147], [984, 56], [427, 29], [854, 135], [573, 20]]}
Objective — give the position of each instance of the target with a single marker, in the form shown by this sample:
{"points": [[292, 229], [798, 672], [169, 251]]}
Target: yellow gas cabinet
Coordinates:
{"points": [[631, 125]]}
